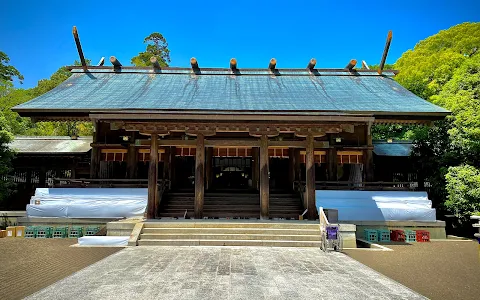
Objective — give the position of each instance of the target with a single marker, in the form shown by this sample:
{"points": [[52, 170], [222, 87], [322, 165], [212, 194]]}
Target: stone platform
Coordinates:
{"points": [[226, 273]]}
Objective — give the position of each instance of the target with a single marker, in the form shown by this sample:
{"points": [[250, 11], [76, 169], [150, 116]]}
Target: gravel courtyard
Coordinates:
{"points": [[28, 265], [226, 273]]}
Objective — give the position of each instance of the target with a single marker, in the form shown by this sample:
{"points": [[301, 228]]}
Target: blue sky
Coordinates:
{"points": [[37, 35]]}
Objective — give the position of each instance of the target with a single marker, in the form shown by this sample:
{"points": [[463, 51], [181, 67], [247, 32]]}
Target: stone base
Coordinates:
{"points": [[122, 227], [24, 221], [436, 229]]}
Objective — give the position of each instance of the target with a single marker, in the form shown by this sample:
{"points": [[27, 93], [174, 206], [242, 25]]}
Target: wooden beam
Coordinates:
{"points": [[79, 48], [365, 65], [264, 178], [369, 172], [132, 160], [385, 52], [166, 163], [194, 63], [351, 64], [208, 168], [115, 62], [311, 64], [291, 166], [95, 154], [154, 62], [233, 64], [310, 179], [255, 167], [332, 160], [101, 62], [152, 178], [199, 176], [273, 63]]}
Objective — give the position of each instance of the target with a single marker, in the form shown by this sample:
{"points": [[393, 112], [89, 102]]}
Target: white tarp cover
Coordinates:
{"points": [[377, 205], [103, 241], [87, 202]]}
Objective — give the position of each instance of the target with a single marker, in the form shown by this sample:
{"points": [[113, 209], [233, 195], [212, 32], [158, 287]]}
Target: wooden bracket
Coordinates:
{"points": [[266, 131], [79, 48], [385, 52]]}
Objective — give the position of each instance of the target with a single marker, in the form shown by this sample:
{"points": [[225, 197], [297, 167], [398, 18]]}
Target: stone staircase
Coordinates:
{"points": [[231, 204], [230, 233]]}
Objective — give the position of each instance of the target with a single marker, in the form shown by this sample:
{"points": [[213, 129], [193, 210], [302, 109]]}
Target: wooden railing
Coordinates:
{"points": [[68, 182], [362, 186]]}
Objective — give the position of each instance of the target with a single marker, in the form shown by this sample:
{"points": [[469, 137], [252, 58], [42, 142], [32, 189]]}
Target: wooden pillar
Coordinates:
{"points": [[298, 175], [208, 168], [291, 166], [28, 179], [132, 159], [171, 172], [310, 179], [42, 176], [152, 177], [332, 161], [95, 154], [166, 163], [369, 173], [199, 176], [264, 178], [255, 168]]}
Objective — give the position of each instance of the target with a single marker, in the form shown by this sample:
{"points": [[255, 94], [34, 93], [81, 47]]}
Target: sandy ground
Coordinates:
{"points": [[28, 265], [437, 270]]}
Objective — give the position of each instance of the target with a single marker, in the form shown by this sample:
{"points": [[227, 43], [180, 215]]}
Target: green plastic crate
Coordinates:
{"points": [[383, 235], [410, 236], [91, 230], [60, 232], [43, 232], [75, 232], [30, 232], [370, 235]]}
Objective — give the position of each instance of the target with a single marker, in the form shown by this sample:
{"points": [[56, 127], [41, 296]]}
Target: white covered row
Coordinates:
{"points": [[377, 205], [88, 203]]}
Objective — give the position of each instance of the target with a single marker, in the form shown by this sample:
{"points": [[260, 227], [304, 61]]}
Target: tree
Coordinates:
{"points": [[156, 46], [445, 69], [432, 62], [24, 126], [463, 187], [8, 73]]}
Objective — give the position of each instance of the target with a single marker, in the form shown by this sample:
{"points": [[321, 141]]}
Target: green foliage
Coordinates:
{"points": [[445, 69], [6, 156], [394, 131], [156, 46], [461, 95], [432, 155], [10, 97], [463, 187], [431, 64], [8, 73]]}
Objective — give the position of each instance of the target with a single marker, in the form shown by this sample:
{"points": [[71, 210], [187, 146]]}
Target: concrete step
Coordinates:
{"points": [[266, 243], [313, 225], [270, 231], [189, 236]]}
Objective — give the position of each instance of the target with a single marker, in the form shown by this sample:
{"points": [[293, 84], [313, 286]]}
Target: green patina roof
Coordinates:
{"points": [[103, 89], [397, 148], [50, 145]]}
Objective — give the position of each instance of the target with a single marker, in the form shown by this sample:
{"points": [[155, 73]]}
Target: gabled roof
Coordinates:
{"points": [[50, 145], [106, 89], [395, 148]]}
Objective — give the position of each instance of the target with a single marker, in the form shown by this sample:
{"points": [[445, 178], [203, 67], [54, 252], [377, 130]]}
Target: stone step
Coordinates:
{"points": [[265, 243], [313, 225], [271, 231], [241, 236]]}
